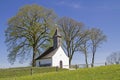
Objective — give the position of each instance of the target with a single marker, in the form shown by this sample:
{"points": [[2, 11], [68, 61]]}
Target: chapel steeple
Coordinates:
{"points": [[56, 39]]}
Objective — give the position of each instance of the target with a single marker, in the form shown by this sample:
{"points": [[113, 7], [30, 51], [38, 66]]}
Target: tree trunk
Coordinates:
{"points": [[33, 63], [92, 65], [70, 62], [86, 60], [94, 50], [33, 59], [70, 59]]}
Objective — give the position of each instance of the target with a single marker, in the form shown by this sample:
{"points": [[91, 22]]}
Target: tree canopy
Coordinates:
{"points": [[28, 31], [72, 35], [97, 37], [113, 58]]}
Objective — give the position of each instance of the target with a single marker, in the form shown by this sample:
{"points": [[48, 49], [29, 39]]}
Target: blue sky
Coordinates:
{"points": [[103, 14]]}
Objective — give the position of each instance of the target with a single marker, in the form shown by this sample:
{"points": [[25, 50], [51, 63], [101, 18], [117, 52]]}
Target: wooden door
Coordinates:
{"points": [[61, 64]]}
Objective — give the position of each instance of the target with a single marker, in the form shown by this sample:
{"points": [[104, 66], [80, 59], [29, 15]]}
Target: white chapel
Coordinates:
{"points": [[55, 55]]}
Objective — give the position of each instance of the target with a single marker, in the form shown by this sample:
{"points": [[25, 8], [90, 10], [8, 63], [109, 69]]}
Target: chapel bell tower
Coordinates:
{"points": [[56, 39]]}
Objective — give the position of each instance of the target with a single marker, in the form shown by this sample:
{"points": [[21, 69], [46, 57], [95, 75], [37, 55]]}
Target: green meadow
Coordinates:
{"points": [[97, 73]]}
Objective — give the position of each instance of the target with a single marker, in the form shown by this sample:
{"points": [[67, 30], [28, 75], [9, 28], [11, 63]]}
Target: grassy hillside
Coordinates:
{"points": [[98, 73], [25, 71]]}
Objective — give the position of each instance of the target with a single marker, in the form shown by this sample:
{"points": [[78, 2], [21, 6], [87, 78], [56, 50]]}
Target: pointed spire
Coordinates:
{"points": [[56, 39], [57, 33]]}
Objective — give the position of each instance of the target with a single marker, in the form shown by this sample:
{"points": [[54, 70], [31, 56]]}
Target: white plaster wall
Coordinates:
{"points": [[60, 56], [43, 61], [37, 63]]}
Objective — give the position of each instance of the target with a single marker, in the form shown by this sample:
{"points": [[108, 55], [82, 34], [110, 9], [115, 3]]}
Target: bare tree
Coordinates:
{"points": [[97, 38], [85, 45], [27, 31], [114, 58], [71, 33]]}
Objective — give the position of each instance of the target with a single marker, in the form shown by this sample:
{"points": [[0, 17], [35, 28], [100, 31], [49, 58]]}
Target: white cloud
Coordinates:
{"points": [[75, 6], [69, 4], [62, 3]]}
